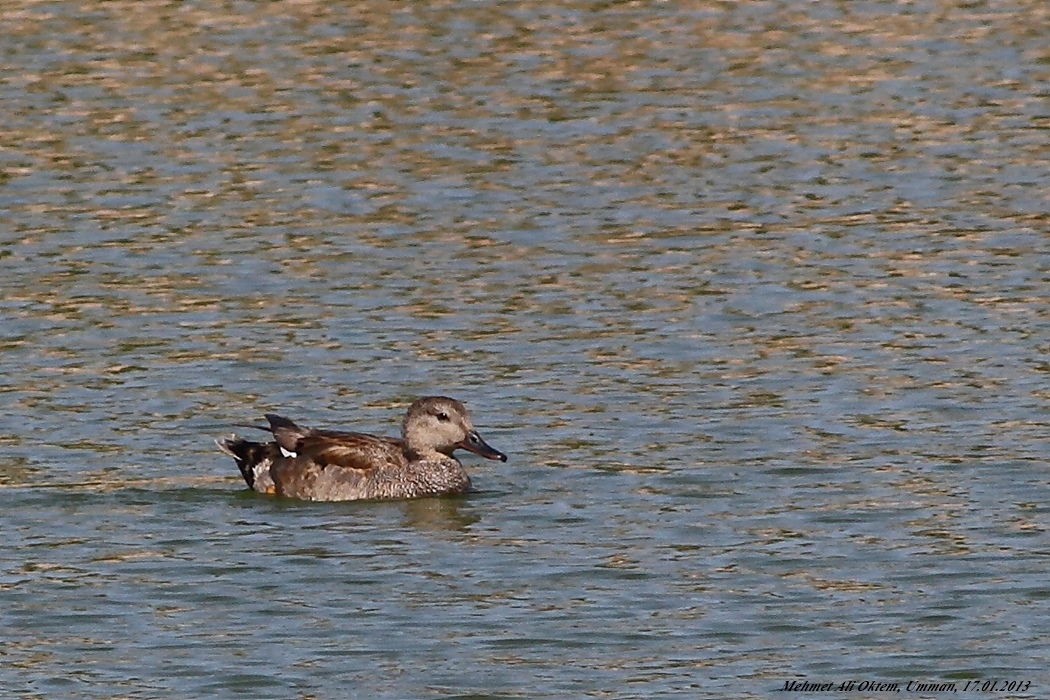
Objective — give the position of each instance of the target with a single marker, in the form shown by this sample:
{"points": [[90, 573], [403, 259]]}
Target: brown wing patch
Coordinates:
{"points": [[350, 450]]}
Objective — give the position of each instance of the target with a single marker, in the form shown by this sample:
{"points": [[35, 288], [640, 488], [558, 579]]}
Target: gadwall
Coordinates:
{"points": [[325, 465]]}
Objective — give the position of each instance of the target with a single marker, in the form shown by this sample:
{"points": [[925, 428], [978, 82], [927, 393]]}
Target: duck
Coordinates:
{"points": [[329, 465]]}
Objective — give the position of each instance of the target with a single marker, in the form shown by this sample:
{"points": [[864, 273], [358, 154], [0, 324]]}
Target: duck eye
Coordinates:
{"points": [[443, 417]]}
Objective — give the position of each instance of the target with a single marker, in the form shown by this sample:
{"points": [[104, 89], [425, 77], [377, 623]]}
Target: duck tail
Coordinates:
{"points": [[253, 460]]}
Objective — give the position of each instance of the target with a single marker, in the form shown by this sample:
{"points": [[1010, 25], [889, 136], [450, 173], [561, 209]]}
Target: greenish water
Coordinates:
{"points": [[754, 295]]}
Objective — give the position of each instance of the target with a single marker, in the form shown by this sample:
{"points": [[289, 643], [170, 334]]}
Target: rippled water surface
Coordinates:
{"points": [[755, 295]]}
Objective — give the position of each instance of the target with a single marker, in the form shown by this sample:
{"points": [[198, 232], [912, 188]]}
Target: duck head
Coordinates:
{"points": [[442, 424]]}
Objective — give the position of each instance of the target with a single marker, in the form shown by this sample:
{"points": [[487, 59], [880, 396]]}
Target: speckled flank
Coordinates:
{"points": [[323, 465]]}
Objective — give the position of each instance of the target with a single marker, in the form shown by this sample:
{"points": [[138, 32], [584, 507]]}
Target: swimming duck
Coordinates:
{"points": [[326, 465]]}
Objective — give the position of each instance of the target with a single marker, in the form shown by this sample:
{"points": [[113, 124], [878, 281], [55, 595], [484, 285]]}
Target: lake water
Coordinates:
{"points": [[756, 296]]}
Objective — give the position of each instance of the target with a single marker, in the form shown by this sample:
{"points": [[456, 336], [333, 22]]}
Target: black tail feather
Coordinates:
{"points": [[253, 459]]}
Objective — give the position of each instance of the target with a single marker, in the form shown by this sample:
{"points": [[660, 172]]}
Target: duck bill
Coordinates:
{"points": [[475, 444]]}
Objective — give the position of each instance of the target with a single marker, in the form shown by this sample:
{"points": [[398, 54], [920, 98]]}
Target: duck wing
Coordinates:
{"points": [[334, 447], [337, 467], [329, 465], [357, 451]]}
